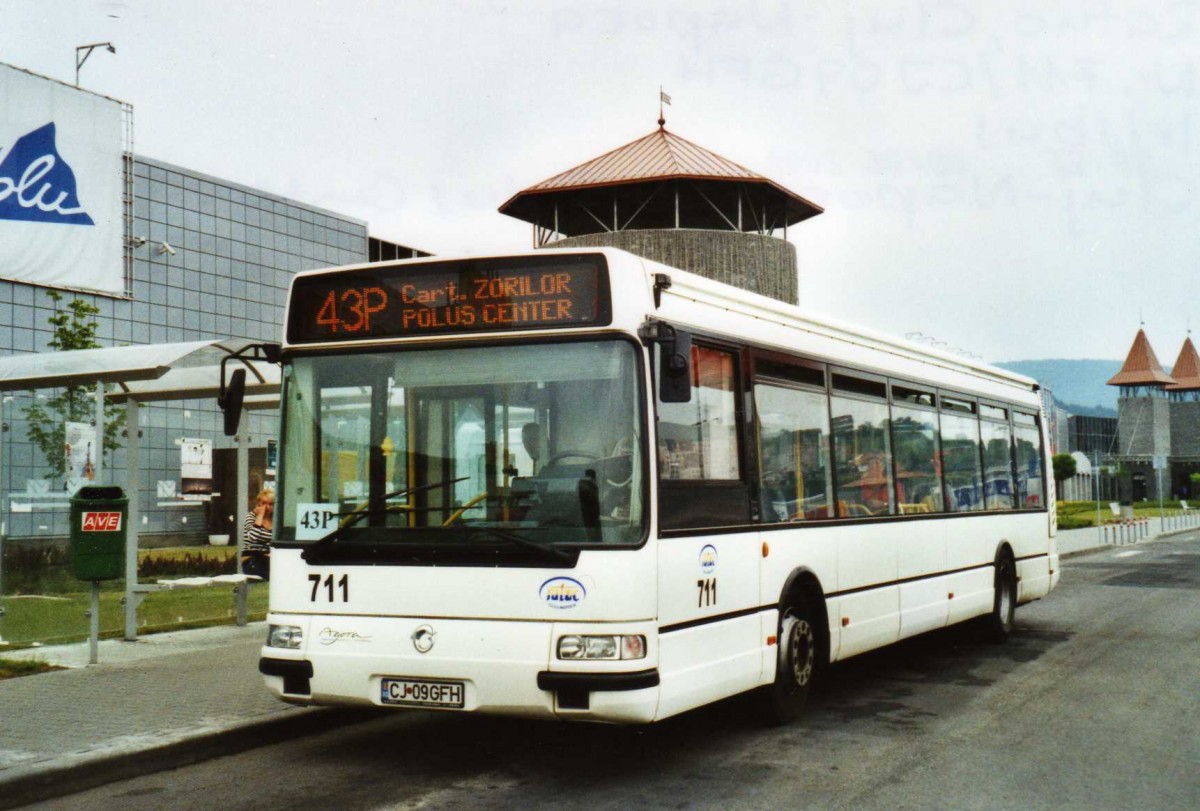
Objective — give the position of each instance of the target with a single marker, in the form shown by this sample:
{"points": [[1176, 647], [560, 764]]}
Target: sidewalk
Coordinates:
{"points": [[1073, 542], [157, 703]]}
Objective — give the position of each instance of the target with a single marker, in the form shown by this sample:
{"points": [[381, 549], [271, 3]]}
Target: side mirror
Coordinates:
{"points": [[675, 368], [231, 399]]}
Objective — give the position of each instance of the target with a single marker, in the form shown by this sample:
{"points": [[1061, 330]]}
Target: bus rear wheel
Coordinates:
{"points": [[795, 665], [999, 624]]}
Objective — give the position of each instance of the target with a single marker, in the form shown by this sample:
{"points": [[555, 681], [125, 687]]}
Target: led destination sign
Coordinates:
{"points": [[448, 297]]}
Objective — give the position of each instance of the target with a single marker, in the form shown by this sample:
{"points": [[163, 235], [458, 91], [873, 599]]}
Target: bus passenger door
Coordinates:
{"points": [[708, 579]]}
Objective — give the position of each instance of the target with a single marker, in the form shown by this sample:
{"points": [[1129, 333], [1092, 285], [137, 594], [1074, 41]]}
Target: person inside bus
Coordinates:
{"points": [[533, 438], [256, 538]]}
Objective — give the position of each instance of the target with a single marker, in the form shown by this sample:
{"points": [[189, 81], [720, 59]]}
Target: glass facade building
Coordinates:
{"points": [[210, 259]]}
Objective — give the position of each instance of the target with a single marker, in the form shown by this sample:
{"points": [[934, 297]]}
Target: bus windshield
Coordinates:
{"points": [[479, 448]]}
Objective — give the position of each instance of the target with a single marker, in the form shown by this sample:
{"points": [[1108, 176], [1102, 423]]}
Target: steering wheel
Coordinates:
{"points": [[570, 455]]}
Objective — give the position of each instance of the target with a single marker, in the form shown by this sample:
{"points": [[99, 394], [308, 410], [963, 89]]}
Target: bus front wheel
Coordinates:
{"points": [[796, 663]]}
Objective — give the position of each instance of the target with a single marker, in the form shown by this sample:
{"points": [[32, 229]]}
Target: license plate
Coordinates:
{"points": [[423, 693]]}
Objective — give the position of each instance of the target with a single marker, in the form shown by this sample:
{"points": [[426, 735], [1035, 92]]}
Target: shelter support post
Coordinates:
{"points": [[243, 507], [133, 597]]}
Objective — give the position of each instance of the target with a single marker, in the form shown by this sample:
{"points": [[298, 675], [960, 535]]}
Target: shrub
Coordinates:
{"points": [[174, 563], [38, 569]]}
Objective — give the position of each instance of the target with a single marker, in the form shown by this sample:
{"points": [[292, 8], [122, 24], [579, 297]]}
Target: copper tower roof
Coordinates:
{"points": [[1187, 369], [646, 162], [1141, 366]]}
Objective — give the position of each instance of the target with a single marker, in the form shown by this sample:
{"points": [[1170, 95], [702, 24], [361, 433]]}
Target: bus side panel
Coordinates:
{"points": [[867, 556], [921, 547], [974, 593], [923, 606], [707, 663], [789, 550], [866, 619], [710, 586], [1034, 578]]}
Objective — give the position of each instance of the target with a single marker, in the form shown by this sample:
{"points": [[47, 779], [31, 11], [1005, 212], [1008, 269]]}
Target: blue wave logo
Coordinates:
{"points": [[36, 184], [708, 559], [562, 592]]}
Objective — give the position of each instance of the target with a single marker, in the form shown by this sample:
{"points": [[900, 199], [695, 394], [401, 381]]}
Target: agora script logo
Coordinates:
{"points": [[102, 521], [36, 184]]}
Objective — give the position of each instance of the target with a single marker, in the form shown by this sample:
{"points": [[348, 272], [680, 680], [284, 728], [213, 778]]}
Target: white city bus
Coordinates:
{"points": [[578, 484]]}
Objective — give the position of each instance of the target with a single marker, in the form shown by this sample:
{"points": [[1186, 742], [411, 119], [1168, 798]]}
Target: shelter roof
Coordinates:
{"points": [[1186, 370], [146, 372], [1141, 366], [659, 156]]}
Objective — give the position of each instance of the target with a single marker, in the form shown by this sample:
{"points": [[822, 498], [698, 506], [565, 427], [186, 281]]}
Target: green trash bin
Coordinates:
{"points": [[99, 521]]}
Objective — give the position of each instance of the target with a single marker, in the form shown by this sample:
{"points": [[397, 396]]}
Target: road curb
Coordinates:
{"points": [[89, 771]]}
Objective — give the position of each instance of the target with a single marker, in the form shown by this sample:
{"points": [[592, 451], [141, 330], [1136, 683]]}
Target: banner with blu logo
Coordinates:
{"points": [[61, 180]]}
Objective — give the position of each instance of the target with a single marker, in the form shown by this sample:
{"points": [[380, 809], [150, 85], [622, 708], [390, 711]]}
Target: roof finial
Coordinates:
{"points": [[663, 98]]}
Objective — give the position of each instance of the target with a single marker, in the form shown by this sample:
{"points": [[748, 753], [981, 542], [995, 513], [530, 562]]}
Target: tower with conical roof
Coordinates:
{"points": [[1143, 414], [673, 201], [1186, 373]]}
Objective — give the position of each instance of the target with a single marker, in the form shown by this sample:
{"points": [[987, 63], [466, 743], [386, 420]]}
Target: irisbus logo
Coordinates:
{"points": [[562, 592], [36, 184]]}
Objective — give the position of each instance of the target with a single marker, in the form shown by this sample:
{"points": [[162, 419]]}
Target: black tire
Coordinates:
{"points": [[999, 624], [796, 665]]}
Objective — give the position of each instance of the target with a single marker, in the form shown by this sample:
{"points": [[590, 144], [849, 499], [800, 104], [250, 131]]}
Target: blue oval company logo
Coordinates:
{"points": [[562, 592], [708, 559]]}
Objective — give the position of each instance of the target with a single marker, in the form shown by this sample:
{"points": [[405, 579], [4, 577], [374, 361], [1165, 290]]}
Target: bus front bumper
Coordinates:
{"points": [[491, 667]]}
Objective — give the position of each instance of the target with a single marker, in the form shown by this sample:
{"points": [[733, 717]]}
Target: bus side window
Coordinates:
{"points": [[793, 441], [697, 440], [699, 459]]}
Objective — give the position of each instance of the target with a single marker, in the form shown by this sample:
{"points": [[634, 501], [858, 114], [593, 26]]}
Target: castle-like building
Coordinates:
{"points": [[1158, 421]]}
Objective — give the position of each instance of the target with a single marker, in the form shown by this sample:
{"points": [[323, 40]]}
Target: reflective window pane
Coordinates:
{"points": [[1030, 483], [997, 465], [794, 452], [862, 457], [914, 442], [960, 462], [697, 440]]}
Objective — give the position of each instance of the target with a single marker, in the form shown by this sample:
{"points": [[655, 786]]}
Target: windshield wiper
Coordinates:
{"points": [[359, 516], [512, 537]]}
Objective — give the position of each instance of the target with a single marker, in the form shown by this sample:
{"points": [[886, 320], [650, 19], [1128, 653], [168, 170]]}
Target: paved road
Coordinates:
{"points": [[1093, 704]]}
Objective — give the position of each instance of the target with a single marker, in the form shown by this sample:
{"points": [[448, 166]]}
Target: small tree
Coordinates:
{"points": [[74, 328], [1064, 468]]}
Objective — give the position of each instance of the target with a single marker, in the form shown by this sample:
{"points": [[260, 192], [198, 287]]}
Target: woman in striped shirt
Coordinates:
{"points": [[256, 538]]}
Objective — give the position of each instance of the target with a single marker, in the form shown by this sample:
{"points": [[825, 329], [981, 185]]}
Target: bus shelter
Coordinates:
{"points": [[142, 374]]}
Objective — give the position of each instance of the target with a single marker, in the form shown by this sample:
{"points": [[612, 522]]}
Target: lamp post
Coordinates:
{"points": [[84, 51]]}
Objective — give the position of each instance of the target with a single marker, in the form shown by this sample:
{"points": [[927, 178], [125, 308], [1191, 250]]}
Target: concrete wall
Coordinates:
{"points": [[1185, 429], [760, 264], [1143, 426]]}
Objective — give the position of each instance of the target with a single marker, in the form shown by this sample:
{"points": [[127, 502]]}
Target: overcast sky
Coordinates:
{"points": [[1016, 179]]}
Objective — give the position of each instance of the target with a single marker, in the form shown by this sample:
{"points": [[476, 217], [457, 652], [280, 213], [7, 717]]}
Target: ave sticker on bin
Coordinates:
{"points": [[102, 521]]}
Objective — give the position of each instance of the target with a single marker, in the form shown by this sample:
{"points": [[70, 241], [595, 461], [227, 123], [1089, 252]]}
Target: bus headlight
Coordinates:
{"points": [[591, 646], [285, 636]]}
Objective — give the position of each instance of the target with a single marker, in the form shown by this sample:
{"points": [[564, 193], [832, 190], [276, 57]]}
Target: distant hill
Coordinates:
{"points": [[1079, 385]]}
